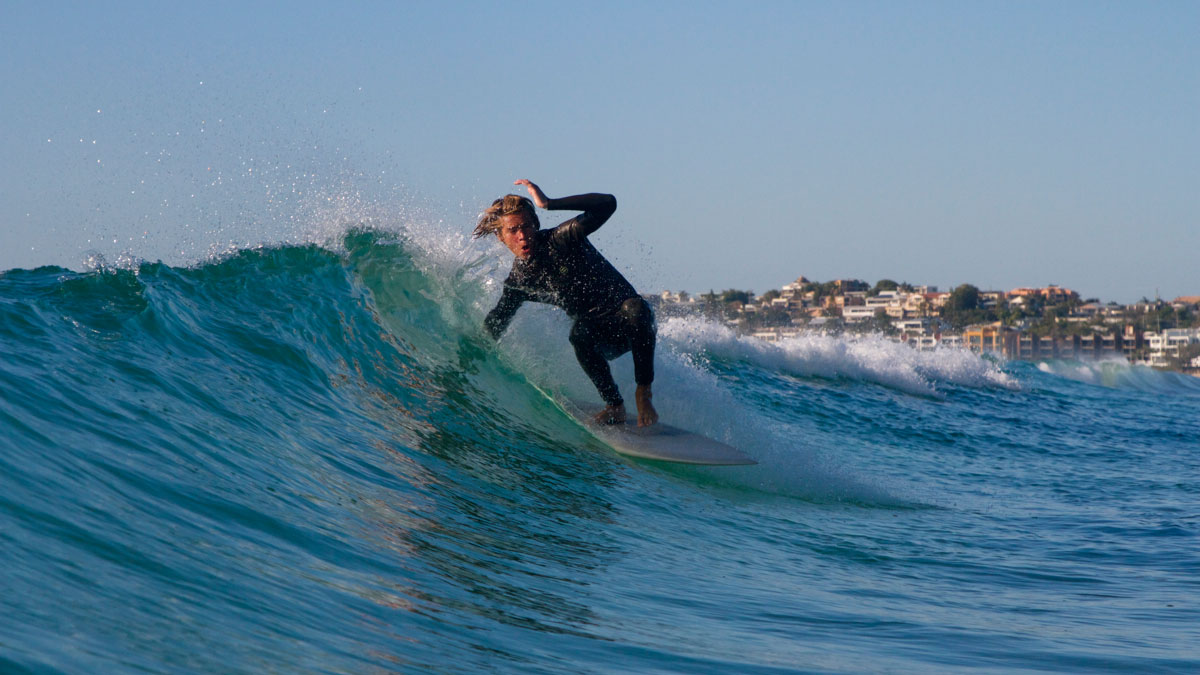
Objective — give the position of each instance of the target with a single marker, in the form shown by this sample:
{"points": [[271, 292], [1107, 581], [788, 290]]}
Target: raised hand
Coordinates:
{"points": [[535, 192]]}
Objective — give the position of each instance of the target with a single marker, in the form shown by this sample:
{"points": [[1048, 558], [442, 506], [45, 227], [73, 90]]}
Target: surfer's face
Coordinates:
{"points": [[516, 231]]}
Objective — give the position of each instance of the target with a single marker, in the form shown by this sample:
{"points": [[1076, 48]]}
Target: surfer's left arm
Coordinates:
{"points": [[597, 207], [501, 315]]}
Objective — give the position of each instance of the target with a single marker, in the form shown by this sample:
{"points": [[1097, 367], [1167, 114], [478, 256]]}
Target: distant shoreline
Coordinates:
{"points": [[1025, 323]]}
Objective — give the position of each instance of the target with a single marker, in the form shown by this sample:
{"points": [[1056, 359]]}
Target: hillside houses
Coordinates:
{"points": [[1022, 323]]}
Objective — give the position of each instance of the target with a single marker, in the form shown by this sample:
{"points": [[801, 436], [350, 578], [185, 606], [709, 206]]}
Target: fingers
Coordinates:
{"points": [[539, 197]]}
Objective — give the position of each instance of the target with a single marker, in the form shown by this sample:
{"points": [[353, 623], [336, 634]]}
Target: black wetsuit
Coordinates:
{"points": [[565, 270]]}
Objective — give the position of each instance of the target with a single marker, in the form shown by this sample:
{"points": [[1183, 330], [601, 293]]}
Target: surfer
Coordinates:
{"points": [[562, 268]]}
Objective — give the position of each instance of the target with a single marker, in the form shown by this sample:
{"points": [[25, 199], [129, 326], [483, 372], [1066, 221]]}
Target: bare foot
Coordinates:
{"points": [[647, 415], [613, 414]]}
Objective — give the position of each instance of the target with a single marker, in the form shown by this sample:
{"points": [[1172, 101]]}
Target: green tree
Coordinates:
{"points": [[962, 308], [883, 285], [965, 297], [820, 290], [774, 316], [732, 295], [882, 323], [1186, 354]]}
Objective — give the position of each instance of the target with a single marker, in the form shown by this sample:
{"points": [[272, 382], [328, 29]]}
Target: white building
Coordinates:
{"points": [[952, 341], [884, 299], [858, 313], [1167, 344], [776, 335], [925, 343], [918, 326]]}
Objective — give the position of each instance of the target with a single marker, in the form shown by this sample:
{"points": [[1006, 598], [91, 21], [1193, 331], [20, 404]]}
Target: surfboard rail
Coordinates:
{"points": [[662, 442]]}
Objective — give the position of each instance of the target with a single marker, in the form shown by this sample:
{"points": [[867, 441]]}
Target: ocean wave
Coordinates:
{"points": [[1120, 373], [868, 358], [311, 457]]}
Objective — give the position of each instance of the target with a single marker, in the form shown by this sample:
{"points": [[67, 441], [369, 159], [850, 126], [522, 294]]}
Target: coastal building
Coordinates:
{"points": [[916, 304], [924, 343], [1052, 294], [1167, 346], [676, 298], [990, 298], [1084, 346], [915, 326], [992, 337], [922, 333], [851, 299], [936, 300], [848, 285], [1131, 341], [777, 334], [796, 286], [912, 315], [951, 341], [858, 314]]}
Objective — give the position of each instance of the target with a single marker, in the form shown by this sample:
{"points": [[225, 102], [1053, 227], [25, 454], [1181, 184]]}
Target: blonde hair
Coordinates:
{"points": [[507, 205]]}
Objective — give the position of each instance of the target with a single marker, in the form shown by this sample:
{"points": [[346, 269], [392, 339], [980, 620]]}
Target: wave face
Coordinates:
{"points": [[311, 459]]}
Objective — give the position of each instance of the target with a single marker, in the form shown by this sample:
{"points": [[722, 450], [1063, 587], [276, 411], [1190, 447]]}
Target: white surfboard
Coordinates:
{"points": [[660, 441]]}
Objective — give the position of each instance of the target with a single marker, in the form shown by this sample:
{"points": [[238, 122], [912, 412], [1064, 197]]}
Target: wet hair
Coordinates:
{"points": [[507, 205]]}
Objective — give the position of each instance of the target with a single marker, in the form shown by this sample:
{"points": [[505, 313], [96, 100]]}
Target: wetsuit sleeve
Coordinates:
{"points": [[597, 209], [498, 319]]}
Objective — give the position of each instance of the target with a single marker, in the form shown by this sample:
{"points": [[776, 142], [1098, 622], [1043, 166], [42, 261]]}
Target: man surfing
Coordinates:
{"points": [[562, 268]]}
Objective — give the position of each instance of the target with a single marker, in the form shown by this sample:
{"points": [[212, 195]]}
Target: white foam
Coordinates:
{"points": [[870, 358], [690, 395], [1119, 373]]}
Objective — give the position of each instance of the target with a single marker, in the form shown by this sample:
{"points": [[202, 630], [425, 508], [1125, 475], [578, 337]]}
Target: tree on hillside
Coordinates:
{"points": [[963, 298], [1187, 354], [774, 316], [1009, 313], [962, 308], [882, 323], [883, 285], [820, 290], [733, 295]]}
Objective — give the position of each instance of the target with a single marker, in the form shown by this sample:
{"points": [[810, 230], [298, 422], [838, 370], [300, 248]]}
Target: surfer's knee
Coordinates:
{"points": [[637, 309], [580, 335], [638, 315]]}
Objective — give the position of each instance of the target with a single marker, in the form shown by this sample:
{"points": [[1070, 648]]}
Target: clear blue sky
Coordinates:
{"points": [[1002, 144]]}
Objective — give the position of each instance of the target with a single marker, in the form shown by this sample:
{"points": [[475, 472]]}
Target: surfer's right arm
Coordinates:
{"points": [[597, 208], [498, 319]]}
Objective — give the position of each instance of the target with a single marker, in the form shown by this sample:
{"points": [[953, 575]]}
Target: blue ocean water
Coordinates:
{"points": [[310, 459]]}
